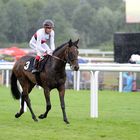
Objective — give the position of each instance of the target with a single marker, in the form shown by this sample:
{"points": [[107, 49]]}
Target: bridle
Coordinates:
{"points": [[59, 58], [70, 57]]}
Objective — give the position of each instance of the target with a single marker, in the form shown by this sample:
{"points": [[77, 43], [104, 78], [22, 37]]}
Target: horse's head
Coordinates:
{"points": [[72, 54], [68, 53]]}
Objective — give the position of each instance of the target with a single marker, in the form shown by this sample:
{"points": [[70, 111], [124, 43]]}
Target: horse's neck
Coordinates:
{"points": [[57, 61], [60, 53]]}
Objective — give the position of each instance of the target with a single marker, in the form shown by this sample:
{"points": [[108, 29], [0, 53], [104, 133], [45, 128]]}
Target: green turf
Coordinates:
{"points": [[119, 117]]}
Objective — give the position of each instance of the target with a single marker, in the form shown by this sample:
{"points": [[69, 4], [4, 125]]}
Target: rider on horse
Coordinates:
{"points": [[43, 42]]}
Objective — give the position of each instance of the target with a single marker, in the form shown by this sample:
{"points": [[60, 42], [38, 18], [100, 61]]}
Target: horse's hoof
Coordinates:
{"points": [[66, 121], [41, 116], [17, 115], [36, 120]]}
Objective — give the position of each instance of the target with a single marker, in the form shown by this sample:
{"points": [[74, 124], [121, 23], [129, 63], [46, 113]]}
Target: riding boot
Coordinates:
{"points": [[35, 66]]}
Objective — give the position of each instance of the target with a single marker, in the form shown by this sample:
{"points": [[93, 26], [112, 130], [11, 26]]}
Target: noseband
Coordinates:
{"points": [[69, 57], [59, 58]]}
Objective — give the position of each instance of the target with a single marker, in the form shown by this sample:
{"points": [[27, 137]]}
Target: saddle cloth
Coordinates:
{"points": [[30, 62]]}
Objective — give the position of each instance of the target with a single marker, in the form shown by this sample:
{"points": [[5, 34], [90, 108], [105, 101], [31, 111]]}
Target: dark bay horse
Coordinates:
{"points": [[52, 76]]}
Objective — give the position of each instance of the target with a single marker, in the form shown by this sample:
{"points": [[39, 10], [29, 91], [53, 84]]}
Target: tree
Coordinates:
{"points": [[17, 20], [4, 23], [69, 7], [105, 28], [94, 21], [63, 28], [34, 12], [82, 21], [96, 4]]}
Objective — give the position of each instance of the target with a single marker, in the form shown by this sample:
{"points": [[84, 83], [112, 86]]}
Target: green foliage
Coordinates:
{"points": [[4, 25], [33, 16], [17, 19], [7, 58], [118, 117], [93, 21], [106, 46]]}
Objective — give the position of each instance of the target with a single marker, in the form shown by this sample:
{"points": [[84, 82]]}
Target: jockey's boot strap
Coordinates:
{"points": [[35, 66], [35, 71]]}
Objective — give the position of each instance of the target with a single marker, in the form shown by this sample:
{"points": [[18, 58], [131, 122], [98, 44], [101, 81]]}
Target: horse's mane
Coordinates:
{"points": [[58, 48]]}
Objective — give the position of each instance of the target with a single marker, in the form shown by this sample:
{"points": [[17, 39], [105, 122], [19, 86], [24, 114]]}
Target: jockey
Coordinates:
{"points": [[43, 42]]}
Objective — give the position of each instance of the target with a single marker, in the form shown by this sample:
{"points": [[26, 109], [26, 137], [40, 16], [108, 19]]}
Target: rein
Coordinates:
{"points": [[62, 59], [70, 57], [59, 58]]}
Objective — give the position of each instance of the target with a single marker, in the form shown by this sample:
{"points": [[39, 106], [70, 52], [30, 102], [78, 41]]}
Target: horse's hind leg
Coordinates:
{"points": [[27, 99], [22, 107], [27, 87], [26, 90]]}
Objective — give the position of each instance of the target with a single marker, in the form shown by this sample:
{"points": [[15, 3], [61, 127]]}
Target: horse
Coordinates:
{"points": [[53, 75]]}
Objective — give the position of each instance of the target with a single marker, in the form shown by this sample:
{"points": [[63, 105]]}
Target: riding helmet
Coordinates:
{"points": [[48, 23]]}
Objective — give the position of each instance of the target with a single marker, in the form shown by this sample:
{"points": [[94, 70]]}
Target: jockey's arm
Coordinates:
{"points": [[39, 49], [47, 49], [52, 44]]}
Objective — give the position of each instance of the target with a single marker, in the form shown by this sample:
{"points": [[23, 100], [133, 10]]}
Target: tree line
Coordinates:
{"points": [[93, 21]]}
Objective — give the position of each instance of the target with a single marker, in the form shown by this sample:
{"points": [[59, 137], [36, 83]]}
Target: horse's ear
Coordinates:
{"points": [[76, 42], [70, 43]]}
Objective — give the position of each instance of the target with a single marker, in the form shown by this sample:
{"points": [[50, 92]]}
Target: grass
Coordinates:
{"points": [[119, 117]]}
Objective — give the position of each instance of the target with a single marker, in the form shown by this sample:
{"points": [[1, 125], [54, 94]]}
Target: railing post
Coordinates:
{"points": [[2, 77], [7, 78], [120, 82], [94, 94], [74, 80], [25, 105], [78, 81]]}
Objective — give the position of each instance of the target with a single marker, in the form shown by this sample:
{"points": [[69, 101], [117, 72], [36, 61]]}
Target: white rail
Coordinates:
{"points": [[88, 52], [94, 69], [5, 67]]}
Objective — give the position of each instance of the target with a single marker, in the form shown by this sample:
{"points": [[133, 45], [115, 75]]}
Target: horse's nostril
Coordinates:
{"points": [[76, 68]]}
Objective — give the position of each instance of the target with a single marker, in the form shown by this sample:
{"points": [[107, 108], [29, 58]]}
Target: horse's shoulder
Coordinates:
{"points": [[27, 57], [24, 59]]}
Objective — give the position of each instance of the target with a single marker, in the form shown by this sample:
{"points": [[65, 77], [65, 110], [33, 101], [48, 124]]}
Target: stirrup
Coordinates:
{"points": [[35, 71]]}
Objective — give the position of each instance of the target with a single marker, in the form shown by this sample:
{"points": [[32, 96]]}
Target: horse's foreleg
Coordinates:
{"points": [[22, 107], [30, 108], [61, 96], [48, 104]]}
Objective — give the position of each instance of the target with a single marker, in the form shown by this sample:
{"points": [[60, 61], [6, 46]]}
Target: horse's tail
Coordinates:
{"points": [[14, 87]]}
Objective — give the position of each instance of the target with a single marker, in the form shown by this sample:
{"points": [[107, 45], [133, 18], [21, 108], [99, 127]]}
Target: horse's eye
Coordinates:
{"points": [[72, 56]]}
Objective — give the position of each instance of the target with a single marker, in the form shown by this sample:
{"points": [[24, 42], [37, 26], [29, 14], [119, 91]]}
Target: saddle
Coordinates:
{"points": [[29, 64]]}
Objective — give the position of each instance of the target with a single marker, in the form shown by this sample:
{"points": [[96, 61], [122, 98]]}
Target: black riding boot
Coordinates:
{"points": [[35, 66]]}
